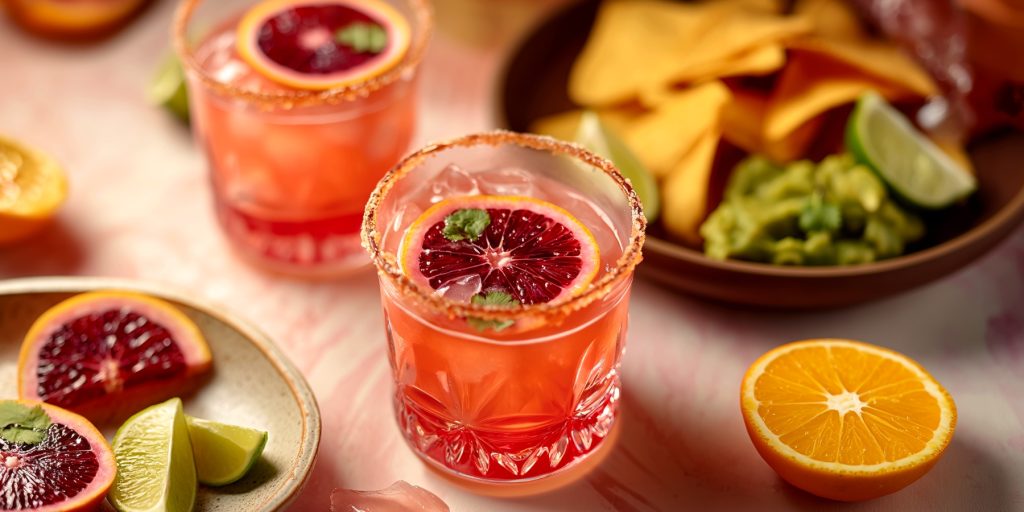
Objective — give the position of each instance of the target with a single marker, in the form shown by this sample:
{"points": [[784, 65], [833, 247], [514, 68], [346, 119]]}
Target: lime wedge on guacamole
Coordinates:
{"points": [[595, 136], [880, 137]]}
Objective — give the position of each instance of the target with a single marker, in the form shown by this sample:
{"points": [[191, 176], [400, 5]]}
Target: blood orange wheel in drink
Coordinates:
{"points": [[106, 353], [322, 44], [525, 247]]}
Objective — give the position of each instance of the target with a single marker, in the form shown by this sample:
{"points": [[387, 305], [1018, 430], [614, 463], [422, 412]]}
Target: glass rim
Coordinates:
{"points": [[388, 267], [424, 18]]}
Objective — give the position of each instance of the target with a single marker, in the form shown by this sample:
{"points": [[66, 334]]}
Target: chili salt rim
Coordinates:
{"points": [[422, 25], [388, 267]]}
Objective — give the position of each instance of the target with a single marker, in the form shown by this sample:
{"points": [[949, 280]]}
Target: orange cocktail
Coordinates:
{"points": [[301, 107], [505, 266]]}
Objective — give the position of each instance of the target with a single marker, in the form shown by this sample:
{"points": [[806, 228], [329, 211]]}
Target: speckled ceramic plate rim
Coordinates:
{"points": [[310, 441]]}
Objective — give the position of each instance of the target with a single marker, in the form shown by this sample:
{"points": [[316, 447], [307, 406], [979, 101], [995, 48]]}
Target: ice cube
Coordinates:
{"points": [[462, 289], [452, 181], [399, 497], [508, 182]]}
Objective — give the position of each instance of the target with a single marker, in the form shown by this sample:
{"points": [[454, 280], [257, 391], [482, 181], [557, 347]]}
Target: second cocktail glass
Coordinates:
{"points": [[505, 265], [301, 107]]}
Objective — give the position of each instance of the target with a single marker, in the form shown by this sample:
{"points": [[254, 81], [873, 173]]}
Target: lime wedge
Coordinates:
{"points": [[168, 88], [224, 453], [915, 168], [595, 136], [155, 468]]}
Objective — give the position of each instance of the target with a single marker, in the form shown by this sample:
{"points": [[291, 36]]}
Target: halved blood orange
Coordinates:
{"points": [[71, 469], [846, 420], [104, 354], [32, 187], [322, 44], [530, 249]]}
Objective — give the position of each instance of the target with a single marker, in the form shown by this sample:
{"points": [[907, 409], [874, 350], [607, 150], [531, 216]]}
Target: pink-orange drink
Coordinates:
{"points": [[505, 265], [301, 106]]}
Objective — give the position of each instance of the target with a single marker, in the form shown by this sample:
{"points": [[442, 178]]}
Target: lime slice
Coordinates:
{"points": [[155, 468], [224, 453], [595, 136], [912, 165], [168, 88]]}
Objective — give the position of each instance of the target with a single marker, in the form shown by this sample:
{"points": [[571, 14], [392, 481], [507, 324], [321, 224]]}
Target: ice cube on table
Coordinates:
{"points": [[462, 289], [401, 496], [509, 181]]}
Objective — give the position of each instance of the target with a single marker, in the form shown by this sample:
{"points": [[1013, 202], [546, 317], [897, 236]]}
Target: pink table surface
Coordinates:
{"points": [[140, 207]]}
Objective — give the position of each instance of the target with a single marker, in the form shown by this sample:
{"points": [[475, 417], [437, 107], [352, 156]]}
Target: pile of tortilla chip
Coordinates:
{"points": [[674, 78]]}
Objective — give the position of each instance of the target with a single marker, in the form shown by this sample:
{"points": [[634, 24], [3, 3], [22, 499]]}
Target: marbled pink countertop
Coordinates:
{"points": [[140, 207]]}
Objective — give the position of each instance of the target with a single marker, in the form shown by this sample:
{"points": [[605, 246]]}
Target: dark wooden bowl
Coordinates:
{"points": [[534, 86]]}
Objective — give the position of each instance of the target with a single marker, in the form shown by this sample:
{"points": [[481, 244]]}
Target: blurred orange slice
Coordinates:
{"points": [[32, 188], [71, 18], [846, 420]]}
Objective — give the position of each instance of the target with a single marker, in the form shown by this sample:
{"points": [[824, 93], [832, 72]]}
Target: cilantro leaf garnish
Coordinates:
{"points": [[820, 215], [363, 37], [22, 424], [492, 298], [466, 224]]}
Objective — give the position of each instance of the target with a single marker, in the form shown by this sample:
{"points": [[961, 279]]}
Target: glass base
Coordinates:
{"points": [[510, 456], [316, 249]]}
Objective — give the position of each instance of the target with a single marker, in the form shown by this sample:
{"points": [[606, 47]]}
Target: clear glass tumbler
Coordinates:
{"points": [[505, 394], [292, 167]]}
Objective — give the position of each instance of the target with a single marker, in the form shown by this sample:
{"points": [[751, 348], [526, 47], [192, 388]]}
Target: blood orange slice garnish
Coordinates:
{"points": [[531, 250], [104, 353], [52, 459], [322, 44]]}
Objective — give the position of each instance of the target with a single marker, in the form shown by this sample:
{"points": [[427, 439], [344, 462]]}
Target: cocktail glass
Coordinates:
{"points": [[536, 399], [291, 169]]}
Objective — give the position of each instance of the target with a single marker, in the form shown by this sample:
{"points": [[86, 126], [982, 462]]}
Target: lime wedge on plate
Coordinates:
{"points": [[155, 468], [593, 135], [912, 165], [224, 453], [168, 88]]}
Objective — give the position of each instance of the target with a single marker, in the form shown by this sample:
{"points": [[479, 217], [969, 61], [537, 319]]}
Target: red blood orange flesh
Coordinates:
{"points": [[70, 470], [530, 249], [103, 353], [322, 44]]}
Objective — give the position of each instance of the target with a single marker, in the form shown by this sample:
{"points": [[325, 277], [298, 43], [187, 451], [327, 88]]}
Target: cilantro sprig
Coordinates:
{"points": [[22, 424], [492, 298], [363, 37], [466, 224]]}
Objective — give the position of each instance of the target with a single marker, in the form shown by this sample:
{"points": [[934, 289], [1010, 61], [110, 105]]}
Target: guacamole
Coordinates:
{"points": [[836, 212]]}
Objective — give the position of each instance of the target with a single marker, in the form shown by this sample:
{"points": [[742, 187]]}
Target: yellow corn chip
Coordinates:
{"points": [[685, 191], [812, 84], [563, 126], [765, 6], [662, 137], [643, 47], [881, 60], [834, 19], [743, 125]]}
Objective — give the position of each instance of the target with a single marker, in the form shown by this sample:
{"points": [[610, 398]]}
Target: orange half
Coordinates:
{"points": [[32, 188], [846, 420], [399, 37]]}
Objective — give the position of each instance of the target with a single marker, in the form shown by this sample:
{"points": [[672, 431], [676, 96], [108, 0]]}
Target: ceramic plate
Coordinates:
{"points": [[252, 384], [534, 86]]}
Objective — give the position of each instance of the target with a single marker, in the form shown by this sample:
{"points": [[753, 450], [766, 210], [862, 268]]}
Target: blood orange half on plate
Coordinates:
{"points": [[107, 353]]}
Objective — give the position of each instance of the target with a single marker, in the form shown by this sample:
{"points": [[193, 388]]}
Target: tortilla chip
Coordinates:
{"points": [[812, 84], [685, 191], [757, 62], [563, 126], [662, 137], [835, 19], [882, 60], [764, 6], [743, 125], [640, 47]]}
